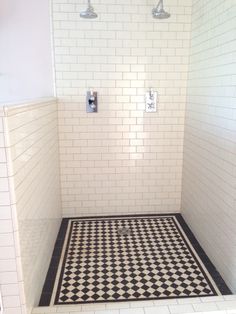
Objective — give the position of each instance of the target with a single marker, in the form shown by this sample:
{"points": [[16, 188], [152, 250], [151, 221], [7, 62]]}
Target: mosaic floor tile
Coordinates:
{"points": [[127, 259]]}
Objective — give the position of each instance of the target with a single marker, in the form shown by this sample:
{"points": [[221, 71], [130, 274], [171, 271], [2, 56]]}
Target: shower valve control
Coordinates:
{"points": [[91, 102], [151, 99]]}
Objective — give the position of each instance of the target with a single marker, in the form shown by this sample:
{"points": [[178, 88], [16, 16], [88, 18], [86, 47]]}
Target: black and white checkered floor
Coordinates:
{"points": [[128, 258]]}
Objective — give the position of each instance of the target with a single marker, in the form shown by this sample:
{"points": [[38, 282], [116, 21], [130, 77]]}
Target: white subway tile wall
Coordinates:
{"points": [[121, 160], [31, 207], [11, 283], [33, 136], [209, 171]]}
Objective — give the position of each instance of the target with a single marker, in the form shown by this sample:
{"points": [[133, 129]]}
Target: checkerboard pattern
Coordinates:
{"points": [[152, 259]]}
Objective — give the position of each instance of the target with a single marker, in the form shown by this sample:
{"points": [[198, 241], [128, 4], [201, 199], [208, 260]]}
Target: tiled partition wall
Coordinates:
{"points": [[11, 282], [121, 160], [209, 174], [33, 147]]}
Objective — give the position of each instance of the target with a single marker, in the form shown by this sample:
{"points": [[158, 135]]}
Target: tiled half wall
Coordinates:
{"points": [[30, 209]]}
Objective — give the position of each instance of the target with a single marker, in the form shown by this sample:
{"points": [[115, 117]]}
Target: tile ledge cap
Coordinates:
{"points": [[25, 103]]}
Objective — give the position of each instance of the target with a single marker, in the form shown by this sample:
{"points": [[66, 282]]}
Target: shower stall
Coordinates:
{"points": [[117, 176]]}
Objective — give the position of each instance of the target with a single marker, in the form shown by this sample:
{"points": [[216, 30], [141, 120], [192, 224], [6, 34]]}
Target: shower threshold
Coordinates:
{"points": [[128, 258]]}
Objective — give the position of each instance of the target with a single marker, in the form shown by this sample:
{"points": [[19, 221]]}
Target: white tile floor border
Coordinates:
{"points": [[213, 305]]}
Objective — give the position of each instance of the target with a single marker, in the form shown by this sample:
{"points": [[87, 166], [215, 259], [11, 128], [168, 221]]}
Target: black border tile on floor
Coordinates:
{"points": [[56, 256]]}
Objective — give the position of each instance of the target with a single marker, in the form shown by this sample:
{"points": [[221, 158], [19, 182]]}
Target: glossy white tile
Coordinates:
{"points": [[33, 147], [121, 160], [208, 198]]}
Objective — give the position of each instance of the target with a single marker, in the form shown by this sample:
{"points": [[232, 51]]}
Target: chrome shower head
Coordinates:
{"points": [[89, 12], [159, 13]]}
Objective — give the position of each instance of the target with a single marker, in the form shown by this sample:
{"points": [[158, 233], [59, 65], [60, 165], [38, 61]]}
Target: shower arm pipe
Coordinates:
{"points": [[160, 5]]}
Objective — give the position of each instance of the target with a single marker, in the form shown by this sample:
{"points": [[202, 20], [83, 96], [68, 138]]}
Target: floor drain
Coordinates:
{"points": [[124, 231]]}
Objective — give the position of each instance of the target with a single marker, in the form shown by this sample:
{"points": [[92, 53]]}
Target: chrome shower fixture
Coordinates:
{"points": [[159, 13], [89, 12]]}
